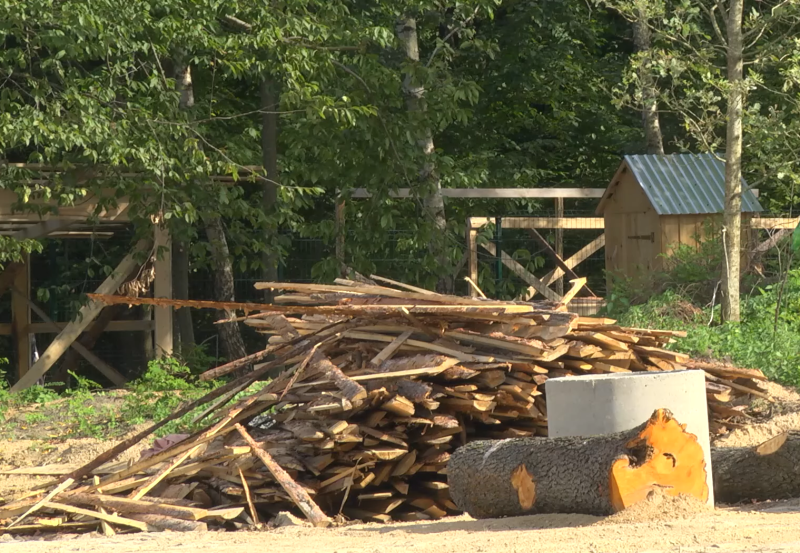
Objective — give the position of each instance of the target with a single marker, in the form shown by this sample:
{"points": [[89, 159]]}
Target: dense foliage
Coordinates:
{"points": [[510, 93]]}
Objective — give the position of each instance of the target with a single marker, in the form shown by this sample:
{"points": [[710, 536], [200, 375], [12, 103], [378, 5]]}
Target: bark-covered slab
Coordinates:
{"points": [[597, 475]]}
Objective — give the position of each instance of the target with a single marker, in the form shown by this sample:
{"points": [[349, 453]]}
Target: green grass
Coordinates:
{"points": [[87, 411], [761, 340]]}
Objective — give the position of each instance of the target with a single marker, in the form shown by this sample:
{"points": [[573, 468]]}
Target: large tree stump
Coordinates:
{"points": [[597, 475], [769, 471]]}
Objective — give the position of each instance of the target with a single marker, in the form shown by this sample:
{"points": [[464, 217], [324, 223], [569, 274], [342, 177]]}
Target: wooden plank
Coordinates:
{"points": [[774, 222], [105, 369], [559, 243], [523, 273], [497, 193], [86, 315], [40, 230], [6, 329], [387, 352], [584, 223], [559, 261], [113, 326], [298, 494], [142, 526], [21, 317], [581, 255], [340, 232], [81, 211], [366, 290], [162, 288], [472, 259]]}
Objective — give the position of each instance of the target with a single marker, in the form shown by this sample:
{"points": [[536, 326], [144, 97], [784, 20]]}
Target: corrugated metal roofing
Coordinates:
{"points": [[681, 184]]}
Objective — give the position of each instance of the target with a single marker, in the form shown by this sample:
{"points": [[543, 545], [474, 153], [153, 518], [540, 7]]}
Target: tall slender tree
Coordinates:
{"points": [[732, 227], [430, 185]]}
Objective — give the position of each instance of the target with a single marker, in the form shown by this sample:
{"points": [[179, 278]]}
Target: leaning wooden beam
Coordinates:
{"points": [[559, 261], [581, 255], [523, 273], [105, 369], [86, 315], [299, 495]]}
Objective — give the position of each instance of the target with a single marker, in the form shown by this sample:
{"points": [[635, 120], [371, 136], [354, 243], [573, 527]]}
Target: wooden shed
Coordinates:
{"points": [[655, 202]]}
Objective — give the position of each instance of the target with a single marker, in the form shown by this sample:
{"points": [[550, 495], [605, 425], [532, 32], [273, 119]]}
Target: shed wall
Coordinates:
{"points": [[633, 234]]}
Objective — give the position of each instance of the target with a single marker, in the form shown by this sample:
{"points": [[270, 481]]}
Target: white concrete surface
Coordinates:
{"points": [[591, 405]]}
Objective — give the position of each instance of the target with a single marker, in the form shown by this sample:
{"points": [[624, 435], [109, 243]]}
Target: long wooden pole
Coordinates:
{"points": [[298, 494]]}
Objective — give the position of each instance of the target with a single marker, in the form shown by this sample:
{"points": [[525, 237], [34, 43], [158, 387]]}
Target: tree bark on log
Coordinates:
{"points": [[597, 475], [756, 473]]}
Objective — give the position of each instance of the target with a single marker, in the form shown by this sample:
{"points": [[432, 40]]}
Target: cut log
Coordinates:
{"points": [[597, 475], [768, 471]]}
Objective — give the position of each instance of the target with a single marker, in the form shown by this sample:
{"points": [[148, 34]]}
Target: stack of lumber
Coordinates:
{"points": [[377, 387]]}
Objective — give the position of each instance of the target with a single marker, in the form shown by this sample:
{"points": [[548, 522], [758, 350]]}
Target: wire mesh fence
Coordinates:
{"points": [[66, 269]]}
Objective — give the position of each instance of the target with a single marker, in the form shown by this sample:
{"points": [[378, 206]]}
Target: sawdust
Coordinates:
{"points": [[782, 415], [660, 506], [70, 453]]}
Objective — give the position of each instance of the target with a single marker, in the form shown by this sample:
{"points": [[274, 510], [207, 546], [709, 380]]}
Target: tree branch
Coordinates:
{"points": [[449, 35]]}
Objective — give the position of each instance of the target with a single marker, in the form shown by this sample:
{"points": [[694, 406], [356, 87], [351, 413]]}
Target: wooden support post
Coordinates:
{"points": [[560, 243], [163, 289], [472, 256], [340, 238], [86, 315], [21, 317]]}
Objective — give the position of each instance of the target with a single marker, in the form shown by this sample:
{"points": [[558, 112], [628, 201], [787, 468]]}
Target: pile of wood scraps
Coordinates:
{"points": [[381, 384]]}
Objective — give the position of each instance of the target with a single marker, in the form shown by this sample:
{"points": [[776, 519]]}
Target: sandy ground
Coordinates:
{"points": [[719, 531], [660, 525]]}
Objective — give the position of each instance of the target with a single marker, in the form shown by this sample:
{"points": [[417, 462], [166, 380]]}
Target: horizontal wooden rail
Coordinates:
{"points": [[774, 222], [497, 193], [113, 326], [598, 222], [541, 222]]}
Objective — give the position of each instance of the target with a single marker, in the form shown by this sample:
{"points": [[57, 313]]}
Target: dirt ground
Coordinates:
{"points": [[659, 525], [728, 531]]}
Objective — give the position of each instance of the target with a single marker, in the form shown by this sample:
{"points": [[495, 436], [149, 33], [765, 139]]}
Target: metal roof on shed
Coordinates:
{"points": [[682, 184]]}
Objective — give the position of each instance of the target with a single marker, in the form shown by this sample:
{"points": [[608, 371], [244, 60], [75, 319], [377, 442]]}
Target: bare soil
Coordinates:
{"points": [[659, 525], [722, 530]]}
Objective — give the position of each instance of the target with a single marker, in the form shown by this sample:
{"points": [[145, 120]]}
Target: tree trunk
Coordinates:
{"points": [[731, 233], [229, 333], [180, 251], [745, 474], [269, 153], [597, 475], [180, 291], [433, 201], [652, 125]]}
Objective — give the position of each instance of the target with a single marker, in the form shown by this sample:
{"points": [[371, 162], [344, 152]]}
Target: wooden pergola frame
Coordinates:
{"points": [[72, 222]]}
